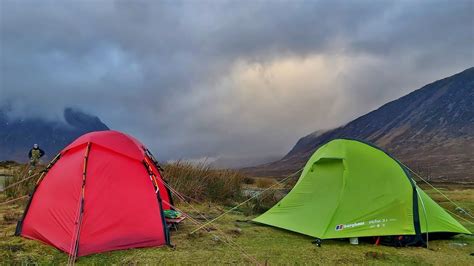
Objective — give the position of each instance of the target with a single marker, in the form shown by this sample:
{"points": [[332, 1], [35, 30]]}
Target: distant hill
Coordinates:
{"points": [[430, 129], [17, 136]]}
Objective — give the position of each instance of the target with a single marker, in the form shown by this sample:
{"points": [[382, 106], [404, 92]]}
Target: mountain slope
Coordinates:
{"points": [[18, 136], [430, 129]]}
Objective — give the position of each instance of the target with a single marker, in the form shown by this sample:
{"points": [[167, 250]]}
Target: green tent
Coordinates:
{"points": [[349, 189]]}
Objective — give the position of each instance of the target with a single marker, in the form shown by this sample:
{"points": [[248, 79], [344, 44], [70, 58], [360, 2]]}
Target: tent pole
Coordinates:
{"points": [[81, 208], [160, 201]]}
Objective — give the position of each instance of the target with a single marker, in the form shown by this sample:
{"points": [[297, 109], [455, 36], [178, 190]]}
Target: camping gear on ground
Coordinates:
{"points": [[173, 219], [350, 189], [354, 240], [102, 192], [172, 214], [173, 223]]}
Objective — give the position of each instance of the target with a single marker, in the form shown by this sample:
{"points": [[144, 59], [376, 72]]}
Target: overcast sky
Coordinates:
{"points": [[233, 79]]}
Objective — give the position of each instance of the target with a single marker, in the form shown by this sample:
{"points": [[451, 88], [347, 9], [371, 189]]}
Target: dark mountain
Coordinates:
{"points": [[430, 129], [18, 135]]}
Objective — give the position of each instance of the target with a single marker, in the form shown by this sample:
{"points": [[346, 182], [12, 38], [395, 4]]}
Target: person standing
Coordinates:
{"points": [[35, 155]]}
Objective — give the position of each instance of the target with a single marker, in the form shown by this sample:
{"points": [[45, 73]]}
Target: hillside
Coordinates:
{"points": [[430, 129], [18, 135]]}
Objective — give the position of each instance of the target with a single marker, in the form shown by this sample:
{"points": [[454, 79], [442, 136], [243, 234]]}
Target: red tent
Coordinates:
{"points": [[102, 192]]}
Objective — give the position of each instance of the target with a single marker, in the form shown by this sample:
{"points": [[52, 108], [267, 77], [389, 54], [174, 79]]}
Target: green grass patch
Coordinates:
{"points": [[265, 244], [224, 242]]}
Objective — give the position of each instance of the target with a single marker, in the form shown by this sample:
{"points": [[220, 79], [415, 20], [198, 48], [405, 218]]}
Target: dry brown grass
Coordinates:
{"points": [[202, 182], [264, 182]]}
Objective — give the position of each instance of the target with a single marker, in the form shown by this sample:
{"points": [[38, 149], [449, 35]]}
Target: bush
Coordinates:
{"points": [[202, 182]]}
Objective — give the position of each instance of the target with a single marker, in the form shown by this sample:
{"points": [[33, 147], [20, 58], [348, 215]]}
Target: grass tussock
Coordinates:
{"points": [[264, 182], [202, 182], [21, 173], [249, 180], [261, 204]]}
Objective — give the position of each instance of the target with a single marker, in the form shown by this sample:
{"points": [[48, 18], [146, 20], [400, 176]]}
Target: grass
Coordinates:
{"points": [[266, 244], [201, 182], [264, 182], [260, 204], [19, 173]]}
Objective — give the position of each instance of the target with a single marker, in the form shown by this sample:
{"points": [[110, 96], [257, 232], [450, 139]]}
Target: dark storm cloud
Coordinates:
{"points": [[233, 79]]}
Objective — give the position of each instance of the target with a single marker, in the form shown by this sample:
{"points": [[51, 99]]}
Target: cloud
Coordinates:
{"points": [[225, 78]]}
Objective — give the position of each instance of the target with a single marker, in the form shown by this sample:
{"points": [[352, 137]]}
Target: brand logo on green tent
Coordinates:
{"points": [[352, 225], [339, 227]]}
